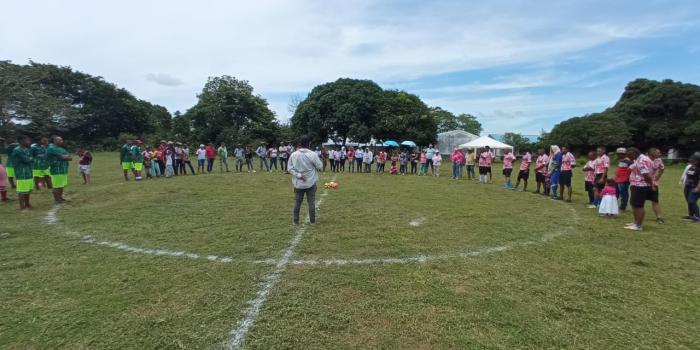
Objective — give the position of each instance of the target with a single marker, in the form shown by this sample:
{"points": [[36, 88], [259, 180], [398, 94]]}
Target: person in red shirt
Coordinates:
{"points": [[622, 177], [160, 155], [211, 155]]}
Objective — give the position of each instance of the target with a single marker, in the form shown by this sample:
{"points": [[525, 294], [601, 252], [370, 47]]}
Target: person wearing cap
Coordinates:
{"points": [[137, 159], [201, 158], [125, 158], [622, 177]]}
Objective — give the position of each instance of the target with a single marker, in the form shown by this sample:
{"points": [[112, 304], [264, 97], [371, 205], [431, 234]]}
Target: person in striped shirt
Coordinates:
{"points": [[642, 185], [508, 160], [40, 169], [568, 162], [524, 173], [589, 179], [22, 159], [657, 171], [541, 171]]}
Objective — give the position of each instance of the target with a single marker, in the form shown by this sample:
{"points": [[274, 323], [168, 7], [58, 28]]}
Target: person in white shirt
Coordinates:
{"points": [[304, 166], [367, 158], [359, 154], [261, 151]]}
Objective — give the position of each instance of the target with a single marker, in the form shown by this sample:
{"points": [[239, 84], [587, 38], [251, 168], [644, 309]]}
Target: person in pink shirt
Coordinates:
{"points": [[642, 186], [457, 159], [589, 178], [541, 171], [657, 171], [602, 165], [423, 163], [568, 162], [524, 173], [608, 205], [485, 161], [508, 160]]}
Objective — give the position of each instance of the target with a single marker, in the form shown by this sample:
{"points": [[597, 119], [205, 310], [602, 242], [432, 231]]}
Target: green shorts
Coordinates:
{"points": [[41, 173], [138, 166], [127, 165], [10, 171], [25, 185], [59, 181]]}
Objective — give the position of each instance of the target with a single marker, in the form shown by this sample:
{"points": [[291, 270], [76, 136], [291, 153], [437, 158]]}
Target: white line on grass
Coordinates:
{"points": [[151, 251], [237, 334]]}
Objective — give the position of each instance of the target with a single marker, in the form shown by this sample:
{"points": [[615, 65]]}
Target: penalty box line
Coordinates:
{"points": [[237, 335]]}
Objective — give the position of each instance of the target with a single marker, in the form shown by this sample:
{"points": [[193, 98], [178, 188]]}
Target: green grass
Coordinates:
{"points": [[592, 285]]}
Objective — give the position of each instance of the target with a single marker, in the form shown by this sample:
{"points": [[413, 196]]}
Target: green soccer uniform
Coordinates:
{"points": [[137, 157], [41, 163], [9, 167], [57, 166], [126, 157], [22, 159]]}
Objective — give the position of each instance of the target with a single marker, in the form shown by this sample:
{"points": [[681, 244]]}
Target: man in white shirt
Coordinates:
{"points": [[359, 154], [304, 165], [367, 158]]}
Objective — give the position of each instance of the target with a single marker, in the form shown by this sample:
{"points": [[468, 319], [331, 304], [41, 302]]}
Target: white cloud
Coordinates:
{"points": [[163, 79]]}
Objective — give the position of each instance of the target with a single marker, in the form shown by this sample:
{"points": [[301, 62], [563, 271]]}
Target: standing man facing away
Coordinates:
{"points": [[125, 158], [223, 157], [22, 159], [642, 186], [304, 165], [524, 173], [40, 167], [58, 164], [261, 151]]}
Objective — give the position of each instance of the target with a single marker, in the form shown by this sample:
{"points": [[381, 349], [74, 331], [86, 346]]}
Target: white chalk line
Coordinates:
{"points": [[417, 222], [238, 333]]}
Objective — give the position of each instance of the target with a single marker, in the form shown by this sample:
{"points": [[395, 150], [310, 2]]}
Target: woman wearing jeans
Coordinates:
{"points": [[692, 188]]}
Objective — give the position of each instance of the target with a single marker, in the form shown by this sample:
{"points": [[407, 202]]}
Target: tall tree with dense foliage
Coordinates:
{"points": [[447, 121], [345, 108], [518, 141], [404, 116], [228, 110]]}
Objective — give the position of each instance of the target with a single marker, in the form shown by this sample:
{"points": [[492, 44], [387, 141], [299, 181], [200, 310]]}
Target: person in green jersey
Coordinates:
{"points": [[126, 159], [22, 160], [137, 159], [3, 178], [9, 167], [41, 164], [58, 164]]}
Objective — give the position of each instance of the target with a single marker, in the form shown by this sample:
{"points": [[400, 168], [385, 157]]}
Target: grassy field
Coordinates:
{"points": [[395, 262]]}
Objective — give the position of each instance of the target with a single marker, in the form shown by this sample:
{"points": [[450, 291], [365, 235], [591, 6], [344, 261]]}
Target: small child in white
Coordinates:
{"points": [[608, 204]]}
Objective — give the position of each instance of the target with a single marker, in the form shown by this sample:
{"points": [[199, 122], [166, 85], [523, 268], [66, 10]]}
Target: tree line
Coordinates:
{"points": [[43, 99]]}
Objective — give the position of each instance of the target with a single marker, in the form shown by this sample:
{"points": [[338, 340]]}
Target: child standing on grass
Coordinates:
{"points": [[589, 178], [608, 204], [423, 163], [84, 164], [437, 160]]}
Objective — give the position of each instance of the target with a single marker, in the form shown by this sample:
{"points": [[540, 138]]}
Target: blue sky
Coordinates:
{"points": [[518, 66]]}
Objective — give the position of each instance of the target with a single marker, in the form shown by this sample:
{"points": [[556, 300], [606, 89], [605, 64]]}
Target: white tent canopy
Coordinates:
{"points": [[484, 141]]}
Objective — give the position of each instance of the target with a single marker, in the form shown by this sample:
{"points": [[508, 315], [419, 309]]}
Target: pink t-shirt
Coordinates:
{"points": [[641, 166], [525, 162], [567, 161], [658, 165], [609, 191], [589, 175], [508, 161], [541, 163], [485, 158], [602, 164]]}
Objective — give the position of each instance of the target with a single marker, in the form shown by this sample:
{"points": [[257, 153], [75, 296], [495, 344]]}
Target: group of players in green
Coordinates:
{"points": [[33, 166]]}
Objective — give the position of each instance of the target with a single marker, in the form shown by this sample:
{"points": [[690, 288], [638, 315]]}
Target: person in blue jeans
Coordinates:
{"points": [[622, 177], [429, 153], [692, 188], [554, 170]]}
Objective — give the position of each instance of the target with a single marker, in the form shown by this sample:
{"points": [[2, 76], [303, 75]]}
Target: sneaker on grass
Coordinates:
{"points": [[633, 227]]}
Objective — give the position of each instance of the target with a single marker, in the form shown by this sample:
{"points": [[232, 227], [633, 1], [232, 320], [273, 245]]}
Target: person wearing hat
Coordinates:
{"points": [[125, 158], [622, 177]]}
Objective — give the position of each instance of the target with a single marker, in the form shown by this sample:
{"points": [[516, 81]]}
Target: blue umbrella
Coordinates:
{"points": [[391, 144], [409, 144]]}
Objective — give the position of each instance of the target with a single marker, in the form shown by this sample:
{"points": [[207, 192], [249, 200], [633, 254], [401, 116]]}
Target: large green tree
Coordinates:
{"points": [[404, 116], [447, 121], [345, 108], [228, 110]]}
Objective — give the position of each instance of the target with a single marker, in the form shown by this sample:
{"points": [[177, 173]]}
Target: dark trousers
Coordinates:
{"points": [[283, 163], [310, 200], [414, 167], [273, 163], [623, 193], [189, 164], [359, 165], [210, 164], [692, 199], [177, 166]]}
